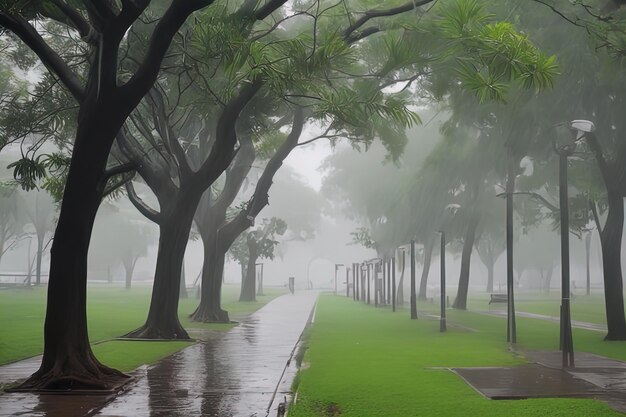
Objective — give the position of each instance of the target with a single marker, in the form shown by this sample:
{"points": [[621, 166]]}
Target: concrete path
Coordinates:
{"points": [[243, 372], [578, 324]]}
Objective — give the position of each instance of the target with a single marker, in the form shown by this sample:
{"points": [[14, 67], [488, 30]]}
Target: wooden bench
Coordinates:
{"points": [[498, 298]]}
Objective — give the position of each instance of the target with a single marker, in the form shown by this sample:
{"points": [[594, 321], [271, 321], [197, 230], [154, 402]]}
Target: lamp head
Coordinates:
{"points": [[580, 127]]}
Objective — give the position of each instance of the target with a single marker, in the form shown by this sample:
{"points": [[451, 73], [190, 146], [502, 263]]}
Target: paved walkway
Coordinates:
{"points": [[243, 372], [578, 324]]}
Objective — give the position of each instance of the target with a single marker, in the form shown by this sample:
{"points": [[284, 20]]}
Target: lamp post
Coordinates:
{"points": [[442, 320], [565, 150], [511, 328]]}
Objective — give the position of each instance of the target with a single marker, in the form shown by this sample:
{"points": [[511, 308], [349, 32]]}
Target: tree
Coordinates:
{"points": [[105, 100], [253, 245]]}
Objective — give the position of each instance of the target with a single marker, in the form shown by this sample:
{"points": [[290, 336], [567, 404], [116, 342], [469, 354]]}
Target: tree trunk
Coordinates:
{"points": [[209, 310], [183, 282], [248, 286], [548, 279], [428, 254], [490, 267], [162, 321], [611, 242], [129, 277], [68, 361], [129, 268], [460, 302]]}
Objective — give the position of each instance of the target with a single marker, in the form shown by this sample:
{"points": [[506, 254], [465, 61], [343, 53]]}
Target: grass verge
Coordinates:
{"points": [[367, 362], [112, 311]]}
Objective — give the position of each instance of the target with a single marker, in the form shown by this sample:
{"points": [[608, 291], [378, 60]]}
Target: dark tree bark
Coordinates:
{"points": [[228, 232], [614, 177], [183, 284], [428, 254], [611, 242], [68, 361], [460, 302], [248, 284], [210, 215], [162, 321], [178, 203], [209, 310]]}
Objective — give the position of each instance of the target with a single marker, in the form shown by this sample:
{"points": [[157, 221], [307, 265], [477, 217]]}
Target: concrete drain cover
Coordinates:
{"points": [[525, 381]]}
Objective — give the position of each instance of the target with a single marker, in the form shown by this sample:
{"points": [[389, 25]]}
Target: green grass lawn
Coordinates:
{"points": [[112, 312], [367, 362], [584, 308]]}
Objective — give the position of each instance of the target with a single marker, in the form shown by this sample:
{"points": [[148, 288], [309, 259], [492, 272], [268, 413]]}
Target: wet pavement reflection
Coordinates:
{"points": [[235, 373]]}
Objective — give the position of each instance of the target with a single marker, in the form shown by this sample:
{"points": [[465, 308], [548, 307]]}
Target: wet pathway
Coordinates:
{"points": [[238, 373], [578, 324]]}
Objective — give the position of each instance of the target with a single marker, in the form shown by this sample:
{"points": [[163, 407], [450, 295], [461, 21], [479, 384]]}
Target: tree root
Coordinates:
{"points": [[156, 332], [69, 375], [210, 316]]}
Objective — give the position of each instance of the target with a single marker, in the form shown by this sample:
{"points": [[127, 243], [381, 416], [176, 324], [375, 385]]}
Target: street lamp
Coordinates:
{"points": [[511, 328], [579, 128]]}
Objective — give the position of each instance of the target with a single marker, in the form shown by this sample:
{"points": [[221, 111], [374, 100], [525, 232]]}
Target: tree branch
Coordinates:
{"points": [[119, 169], [51, 60], [162, 36], [596, 217], [162, 123], [150, 213], [77, 20], [222, 152], [371, 14]]}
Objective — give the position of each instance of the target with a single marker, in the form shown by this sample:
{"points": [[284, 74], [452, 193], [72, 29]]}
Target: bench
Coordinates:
{"points": [[498, 298]]}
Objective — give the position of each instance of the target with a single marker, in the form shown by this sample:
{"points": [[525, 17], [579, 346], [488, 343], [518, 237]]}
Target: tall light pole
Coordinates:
{"points": [[511, 328], [565, 150]]}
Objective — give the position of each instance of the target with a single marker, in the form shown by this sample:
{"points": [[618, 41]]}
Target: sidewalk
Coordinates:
{"points": [[578, 324], [241, 373]]}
